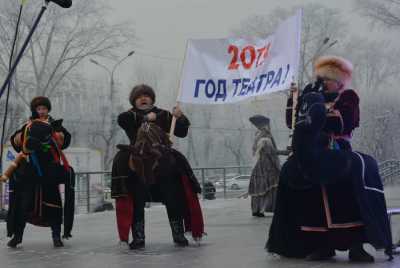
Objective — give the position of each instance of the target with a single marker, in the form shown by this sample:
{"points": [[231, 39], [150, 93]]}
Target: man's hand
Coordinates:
{"points": [[57, 125], [177, 112], [151, 117]]}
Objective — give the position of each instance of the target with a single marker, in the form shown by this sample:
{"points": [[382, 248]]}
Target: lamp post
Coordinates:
{"points": [[111, 129], [111, 73]]}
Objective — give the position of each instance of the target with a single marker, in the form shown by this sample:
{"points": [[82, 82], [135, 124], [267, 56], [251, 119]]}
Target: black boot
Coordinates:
{"points": [[358, 254], [13, 243], [178, 233], [57, 242], [56, 235], [138, 236], [321, 255]]}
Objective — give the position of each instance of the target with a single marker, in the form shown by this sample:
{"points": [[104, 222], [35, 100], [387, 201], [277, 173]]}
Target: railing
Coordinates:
{"points": [[219, 176], [93, 189], [389, 171]]}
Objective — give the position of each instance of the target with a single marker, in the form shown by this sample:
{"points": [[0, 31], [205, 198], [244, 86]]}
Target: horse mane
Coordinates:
{"points": [[151, 135], [151, 144]]}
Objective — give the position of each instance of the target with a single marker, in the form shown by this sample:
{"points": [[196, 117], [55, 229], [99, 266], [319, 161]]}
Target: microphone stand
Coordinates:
{"points": [[25, 45]]}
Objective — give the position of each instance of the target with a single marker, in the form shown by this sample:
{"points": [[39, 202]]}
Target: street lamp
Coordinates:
{"points": [[111, 71]]}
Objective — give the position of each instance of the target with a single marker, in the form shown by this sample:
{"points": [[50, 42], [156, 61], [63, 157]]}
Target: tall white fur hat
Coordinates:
{"points": [[334, 67]]}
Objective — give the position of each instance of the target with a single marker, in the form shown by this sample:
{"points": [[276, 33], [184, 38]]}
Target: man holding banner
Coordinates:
{"points": [[150, 170], [316, 216]]}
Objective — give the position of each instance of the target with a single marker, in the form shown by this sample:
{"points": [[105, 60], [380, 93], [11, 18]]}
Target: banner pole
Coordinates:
{"points": [[173, 122]]}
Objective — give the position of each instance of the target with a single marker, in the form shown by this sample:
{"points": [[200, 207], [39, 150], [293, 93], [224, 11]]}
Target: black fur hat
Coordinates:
{"points": [[38, 101], [259, 121], [141, 90]]}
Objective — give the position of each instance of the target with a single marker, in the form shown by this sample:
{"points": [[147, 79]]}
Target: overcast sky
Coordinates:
{"points": [[163, 26]]}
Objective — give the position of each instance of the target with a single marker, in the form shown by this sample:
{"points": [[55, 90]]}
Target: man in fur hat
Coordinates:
{"points": [[178, 192], [332, 76], [313, 220], [35, 195]]}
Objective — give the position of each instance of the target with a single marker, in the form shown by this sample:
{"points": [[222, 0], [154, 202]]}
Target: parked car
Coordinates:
{"points": [[220, 182], [236, 183], [208, 190]]}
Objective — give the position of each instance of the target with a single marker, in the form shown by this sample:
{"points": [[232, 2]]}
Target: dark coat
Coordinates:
{"points": [[346, 180], [131, 120], [36, 199]]}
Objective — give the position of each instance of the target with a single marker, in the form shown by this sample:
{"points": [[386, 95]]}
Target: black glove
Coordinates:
{"points": [[312, 109], [316, 86], [57, 125]]}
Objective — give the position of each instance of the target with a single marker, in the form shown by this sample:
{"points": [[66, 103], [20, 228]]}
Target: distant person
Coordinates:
{"points": [[265, 174]]}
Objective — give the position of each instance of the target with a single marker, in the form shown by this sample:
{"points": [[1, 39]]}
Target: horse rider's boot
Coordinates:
{"points": [[57, 242], [358, 254], [138, 241], [178, 233], [56, 235], [15, 241]]}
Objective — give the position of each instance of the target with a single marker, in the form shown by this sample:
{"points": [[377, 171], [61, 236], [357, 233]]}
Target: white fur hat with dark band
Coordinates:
{"points": [[334, 67]]}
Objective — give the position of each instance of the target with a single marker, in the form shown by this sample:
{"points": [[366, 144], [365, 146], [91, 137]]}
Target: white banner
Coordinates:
{"points": [[218, 71]]}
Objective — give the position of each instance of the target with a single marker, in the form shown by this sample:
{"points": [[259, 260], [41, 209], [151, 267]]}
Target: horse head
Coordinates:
{"points": [[38, 135], [152, 146]]}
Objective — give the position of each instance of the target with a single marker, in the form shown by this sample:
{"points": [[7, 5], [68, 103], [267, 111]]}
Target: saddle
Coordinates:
{"points": [[150, 147]]}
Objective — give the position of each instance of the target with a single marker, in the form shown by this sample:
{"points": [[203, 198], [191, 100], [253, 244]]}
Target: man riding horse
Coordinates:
{"points": [[150, 170], [324, 200], [41, 167]]}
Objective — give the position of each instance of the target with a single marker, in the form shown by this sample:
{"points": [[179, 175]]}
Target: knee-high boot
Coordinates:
{"points": [[178, 233], [138, 235]]}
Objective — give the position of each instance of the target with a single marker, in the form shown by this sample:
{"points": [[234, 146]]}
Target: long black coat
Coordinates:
{"points": [[37, 199], [131, 121]]}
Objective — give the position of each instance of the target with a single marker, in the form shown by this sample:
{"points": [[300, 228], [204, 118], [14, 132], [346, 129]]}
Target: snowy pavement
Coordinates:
{"points": [[234, 240]]}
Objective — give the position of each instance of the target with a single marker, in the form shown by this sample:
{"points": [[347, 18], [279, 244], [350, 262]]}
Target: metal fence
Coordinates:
{"points": [[390, 171], [93, 189]]}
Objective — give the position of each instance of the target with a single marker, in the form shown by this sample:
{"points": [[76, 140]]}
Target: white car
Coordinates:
{"points": [[236, 183]]}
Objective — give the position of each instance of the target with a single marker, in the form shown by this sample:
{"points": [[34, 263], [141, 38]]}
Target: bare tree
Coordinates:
{"points": [[104, 135], [14, 119], [384, 12], [63, 40], [53, 61], [322, 28], [376, 72], [234, 145]]}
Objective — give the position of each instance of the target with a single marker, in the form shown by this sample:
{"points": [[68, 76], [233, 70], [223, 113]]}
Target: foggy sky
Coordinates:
{"points": [[163, 26]]}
